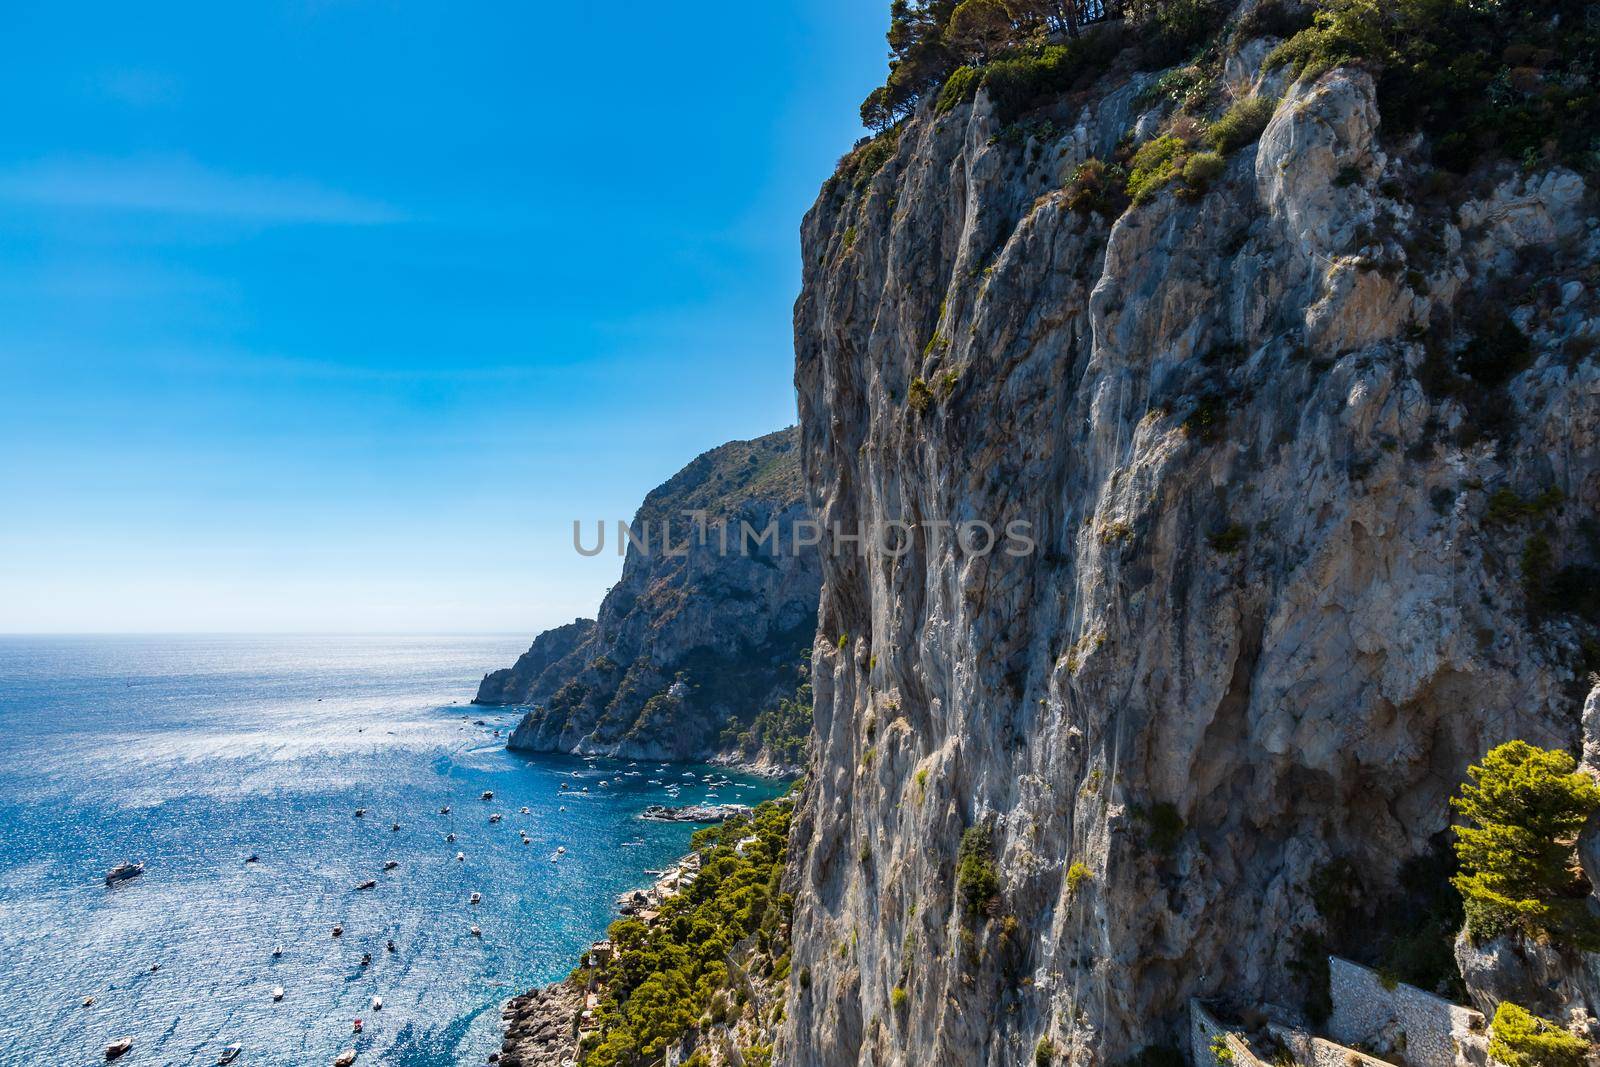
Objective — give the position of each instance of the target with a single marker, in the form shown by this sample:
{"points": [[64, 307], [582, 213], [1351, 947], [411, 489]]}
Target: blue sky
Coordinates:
{"points": [[334, 315]]}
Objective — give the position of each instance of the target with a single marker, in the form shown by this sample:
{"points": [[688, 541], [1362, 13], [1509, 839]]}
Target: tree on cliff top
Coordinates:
{"points": [[1525, 806]]}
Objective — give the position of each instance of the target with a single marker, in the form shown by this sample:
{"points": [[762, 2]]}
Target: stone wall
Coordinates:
{"points": [[1422, 1029]]}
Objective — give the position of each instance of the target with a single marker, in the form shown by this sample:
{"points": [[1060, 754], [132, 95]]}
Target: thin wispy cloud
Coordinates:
{"points": [[184, 187]]}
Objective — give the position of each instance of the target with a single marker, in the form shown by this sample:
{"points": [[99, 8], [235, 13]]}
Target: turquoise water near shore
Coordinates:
{"points": [[193, 753]]}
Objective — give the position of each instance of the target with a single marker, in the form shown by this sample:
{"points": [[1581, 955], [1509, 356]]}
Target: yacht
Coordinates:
{"points": [[370, 883], [390, 865], [229, 1054], [475, 898], [118, 1048], [123, 871], [277, 992]]}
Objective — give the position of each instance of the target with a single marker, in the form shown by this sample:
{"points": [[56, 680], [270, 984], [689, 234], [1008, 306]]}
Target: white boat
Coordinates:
{"points": [[277, 950], [476, 932], [338, 931], [450, 837], [525, 811], [488, 794], [229, 1054], [445, 810], [496, 817], [88, 1002], [345, 1058], [370, 883], [390, 865], [475, 898], [123, 871], [360, 812], [561, 850], [461, 857], [377, 1003], [277, 992], [118, 1048]]}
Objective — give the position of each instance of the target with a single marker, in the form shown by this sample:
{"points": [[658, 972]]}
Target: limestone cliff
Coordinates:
{"points": [[700, 634], [1310, 449]]}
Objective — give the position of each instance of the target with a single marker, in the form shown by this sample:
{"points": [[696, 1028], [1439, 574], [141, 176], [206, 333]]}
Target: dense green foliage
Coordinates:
{"points": [[1522, 1039], [1524, 807], [1519, 80], [1022, 51], [977, 880], [782, 731], [664, 976]]}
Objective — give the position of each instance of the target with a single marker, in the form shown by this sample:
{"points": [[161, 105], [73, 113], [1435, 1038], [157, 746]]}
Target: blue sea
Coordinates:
{"points": [[193, 753]]}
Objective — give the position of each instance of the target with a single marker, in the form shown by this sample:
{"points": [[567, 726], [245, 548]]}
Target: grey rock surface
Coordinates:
{"points": [[1269, 621]]}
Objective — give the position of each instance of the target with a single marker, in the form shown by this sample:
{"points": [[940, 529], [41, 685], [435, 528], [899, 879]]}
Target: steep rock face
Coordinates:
{"points": [[694, 636], [1271, 616]]}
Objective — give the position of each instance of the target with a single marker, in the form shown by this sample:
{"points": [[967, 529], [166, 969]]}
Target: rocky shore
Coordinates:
{"points": [[694, 812], [542, 1027]]}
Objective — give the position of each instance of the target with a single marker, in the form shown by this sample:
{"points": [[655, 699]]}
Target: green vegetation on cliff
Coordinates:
{"points": [[1524, 807], [696, 964]]}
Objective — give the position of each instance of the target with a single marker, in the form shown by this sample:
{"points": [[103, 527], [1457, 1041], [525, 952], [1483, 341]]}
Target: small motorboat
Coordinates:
{"points": [[277, 992], [488, 794], [565, 787], [370, 883], [496, 817], [476, 932], [338, 930], [461, 857], [389, 946], [395, 827], [525, 810], [357, 1025], [475, 898], [377, 1003], [88, 1002], [122, 872], [361, 813], [154, 967], [445, 810], [390, 865], [277, 951], [366, 959], [119, 1048], [345, 1058], [450, 837], [561, 850], [252, 858], [229, 1054]]}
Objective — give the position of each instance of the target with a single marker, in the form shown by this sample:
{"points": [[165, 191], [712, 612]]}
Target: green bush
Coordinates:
{"points": [[1242, 123], [1157, 162], [1044, 1053], [1098, 186], [898, 998], [1344, 32], [919, 397], [1519, 1038], [977, 880], [1524, 807], [1201, 169], [1077, 875], [960, 87]]}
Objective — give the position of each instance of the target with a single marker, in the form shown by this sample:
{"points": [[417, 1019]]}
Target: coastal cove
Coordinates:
{"points": [[194, 753]]}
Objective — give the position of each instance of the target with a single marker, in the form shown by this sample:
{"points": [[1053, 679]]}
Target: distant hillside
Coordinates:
{"points": [[687, 649]]}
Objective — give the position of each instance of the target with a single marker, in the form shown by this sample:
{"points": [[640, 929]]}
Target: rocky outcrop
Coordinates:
{"points": [[541, 1027], [705, 629], [1293, 528]]}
